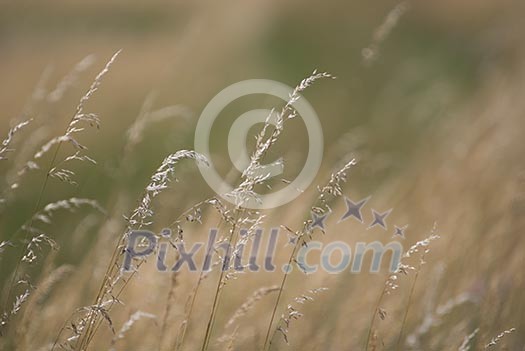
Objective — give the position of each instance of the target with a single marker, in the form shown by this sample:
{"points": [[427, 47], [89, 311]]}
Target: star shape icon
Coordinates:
{"points": [[379, 219], [400, 231], [353, 209], [292, 240], [318, 221]]}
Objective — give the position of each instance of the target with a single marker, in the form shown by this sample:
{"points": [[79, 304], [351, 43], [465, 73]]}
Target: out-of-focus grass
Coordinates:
{"points": [[410, 118]]}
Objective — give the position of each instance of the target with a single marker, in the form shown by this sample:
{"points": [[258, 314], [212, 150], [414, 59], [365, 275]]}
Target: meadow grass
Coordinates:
{"points": [[458, 194]]}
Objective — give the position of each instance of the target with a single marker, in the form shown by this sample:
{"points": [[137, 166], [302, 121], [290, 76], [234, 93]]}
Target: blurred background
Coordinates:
{"points": [[427, 99]]}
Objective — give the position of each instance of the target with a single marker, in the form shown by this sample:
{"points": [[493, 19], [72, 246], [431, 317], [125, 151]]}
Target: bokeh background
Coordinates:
{"points": [[428, 99]]}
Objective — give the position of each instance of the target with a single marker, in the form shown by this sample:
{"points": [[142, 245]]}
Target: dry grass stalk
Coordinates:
{"points": [[114, 280], [495, 340], [391, 283], [327, 193], [465, 345]]}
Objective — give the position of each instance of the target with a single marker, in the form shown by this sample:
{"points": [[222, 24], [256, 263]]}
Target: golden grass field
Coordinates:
{"points": [[427, 100]]}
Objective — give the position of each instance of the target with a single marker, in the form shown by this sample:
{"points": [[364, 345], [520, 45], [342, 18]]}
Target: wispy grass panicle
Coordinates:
{"points": [[327, 193], [158, 182], [371, 53], [115, 280], [495, 340], [126, 327], [392, 284], [79, 115], [266, 138], [70, 79], [33, 237], [4, 148], [293, 313], [465, 345], [256, 296], [148, 116], [250, 178]]}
